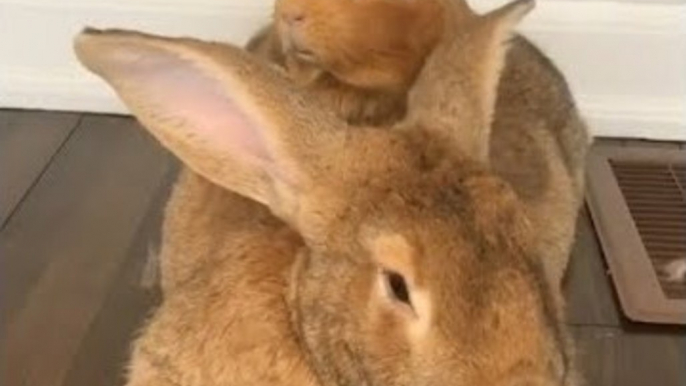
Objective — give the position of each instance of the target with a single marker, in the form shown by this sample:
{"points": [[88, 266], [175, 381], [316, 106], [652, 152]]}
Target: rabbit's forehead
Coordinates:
{"points": [[416, 244], [445, 246]]}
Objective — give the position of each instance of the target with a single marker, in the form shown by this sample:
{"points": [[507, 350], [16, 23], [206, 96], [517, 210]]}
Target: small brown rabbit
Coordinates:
{"points": [[407, 259], [359, 55]]}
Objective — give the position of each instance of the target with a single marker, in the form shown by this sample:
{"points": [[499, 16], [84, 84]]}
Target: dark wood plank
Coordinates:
{"points": [[613, 351], [623, 357], [590, 295], [105, 350], [28, 140], [62, 250]]}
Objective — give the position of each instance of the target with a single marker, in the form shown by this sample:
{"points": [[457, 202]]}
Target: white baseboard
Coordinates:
{"points": [[635, 117], [27, 89], [625, 61]]}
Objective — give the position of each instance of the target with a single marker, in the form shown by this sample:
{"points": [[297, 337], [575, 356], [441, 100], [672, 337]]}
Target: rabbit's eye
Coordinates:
{"points": [[397, 287]]}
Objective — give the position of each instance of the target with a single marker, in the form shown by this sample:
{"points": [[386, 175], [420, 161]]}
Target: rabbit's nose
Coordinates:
{"points": [[293, 17]]}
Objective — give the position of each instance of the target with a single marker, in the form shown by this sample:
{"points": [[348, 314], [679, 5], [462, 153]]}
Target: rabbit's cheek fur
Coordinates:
{"points": [[384, 50], [304, 74], [475, 314], [328, 329]]}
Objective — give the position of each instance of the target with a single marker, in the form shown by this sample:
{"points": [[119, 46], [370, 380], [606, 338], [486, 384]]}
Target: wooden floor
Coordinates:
{"points": [[80, 201]]}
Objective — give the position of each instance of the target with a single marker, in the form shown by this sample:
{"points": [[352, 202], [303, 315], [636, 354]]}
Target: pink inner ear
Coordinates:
{"points": [[176, 90]]}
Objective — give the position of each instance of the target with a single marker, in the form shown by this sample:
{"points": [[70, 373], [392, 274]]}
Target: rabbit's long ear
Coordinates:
{"points": [[226, 115], [455, 94]]}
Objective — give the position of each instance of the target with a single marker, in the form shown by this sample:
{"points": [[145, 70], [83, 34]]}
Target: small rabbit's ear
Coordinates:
{"points": [[455, 94], [230, 118]]}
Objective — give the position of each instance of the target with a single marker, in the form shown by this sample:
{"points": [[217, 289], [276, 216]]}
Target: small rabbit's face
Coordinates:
{"points": [[374, 44], [437, 287]]}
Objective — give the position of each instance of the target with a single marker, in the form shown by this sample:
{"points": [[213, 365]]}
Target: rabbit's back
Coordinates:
{"points": [[539, 144], [534, 101]]}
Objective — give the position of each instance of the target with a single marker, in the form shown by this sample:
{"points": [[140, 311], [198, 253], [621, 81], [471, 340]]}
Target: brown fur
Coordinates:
{"points": [[544, 159], [361, 56], [224, 319], [422, 200]]}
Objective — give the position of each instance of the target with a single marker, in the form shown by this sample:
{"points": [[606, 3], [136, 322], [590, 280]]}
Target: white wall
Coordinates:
{"points": [[626, 60]]}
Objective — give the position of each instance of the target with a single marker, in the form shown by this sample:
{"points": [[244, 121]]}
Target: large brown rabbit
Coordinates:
{"points": [[360, 56], [414, 263]]}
